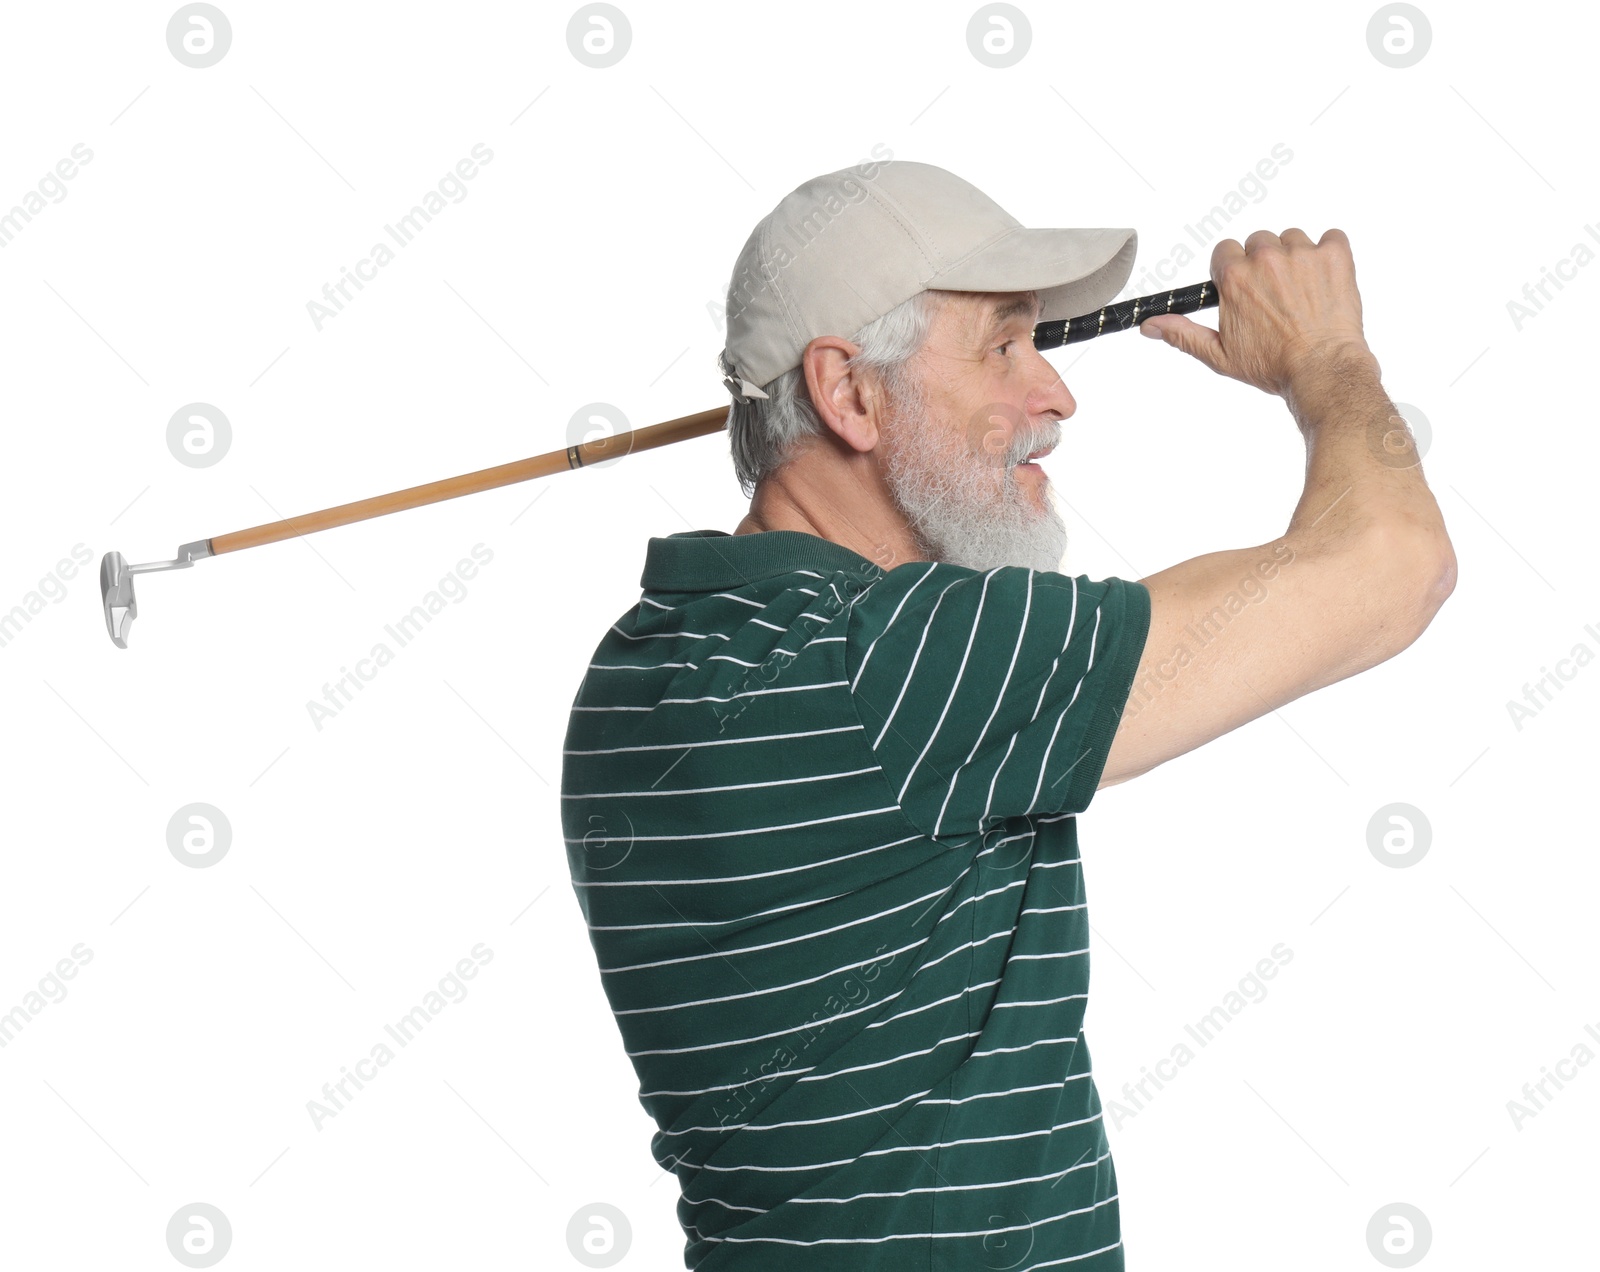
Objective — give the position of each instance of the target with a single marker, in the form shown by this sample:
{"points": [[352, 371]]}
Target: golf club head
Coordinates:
{"points": [[116, 595], [116, 584]]}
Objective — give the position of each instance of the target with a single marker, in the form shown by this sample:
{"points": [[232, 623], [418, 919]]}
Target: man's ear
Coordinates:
{"points": [[846, 403]]}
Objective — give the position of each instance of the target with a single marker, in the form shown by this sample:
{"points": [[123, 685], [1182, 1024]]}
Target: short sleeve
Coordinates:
{"points": [[995, 694]]}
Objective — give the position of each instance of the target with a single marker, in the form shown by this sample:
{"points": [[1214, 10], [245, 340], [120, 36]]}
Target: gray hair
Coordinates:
{"points": [[765, 432]]}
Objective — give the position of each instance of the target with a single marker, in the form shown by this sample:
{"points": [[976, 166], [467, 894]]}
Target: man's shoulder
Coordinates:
{"points": [[943, 596]]}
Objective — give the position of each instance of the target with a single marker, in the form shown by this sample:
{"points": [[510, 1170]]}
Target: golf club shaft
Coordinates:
{"points": [[601, 448], [1047, 335]]}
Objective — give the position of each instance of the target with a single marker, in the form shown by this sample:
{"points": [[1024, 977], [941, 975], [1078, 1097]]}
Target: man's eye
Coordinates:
{"points": [[1003, 348]]}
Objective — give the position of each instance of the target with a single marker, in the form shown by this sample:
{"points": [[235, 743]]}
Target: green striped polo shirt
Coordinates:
{"points": [[821, 822]]}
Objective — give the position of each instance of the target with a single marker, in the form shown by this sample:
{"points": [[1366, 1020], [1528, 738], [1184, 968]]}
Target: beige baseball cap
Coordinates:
{"points": [[845, 248]]}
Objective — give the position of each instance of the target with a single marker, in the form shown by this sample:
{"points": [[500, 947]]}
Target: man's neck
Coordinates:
{"points": [[842, 500]]}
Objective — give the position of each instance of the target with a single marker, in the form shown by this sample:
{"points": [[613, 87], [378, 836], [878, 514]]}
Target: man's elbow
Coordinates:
{"points": [[1420, 577]]}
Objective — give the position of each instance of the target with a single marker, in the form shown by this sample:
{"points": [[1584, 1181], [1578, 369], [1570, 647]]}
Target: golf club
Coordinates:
{"points": [[116, 575]]}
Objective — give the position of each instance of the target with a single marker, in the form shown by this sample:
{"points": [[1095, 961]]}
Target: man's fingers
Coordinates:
{"points": [[1224, 252], [1195, 339], [1260, 239], [1296, 237]]}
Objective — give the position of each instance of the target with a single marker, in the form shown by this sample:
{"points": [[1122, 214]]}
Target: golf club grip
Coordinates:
{"points": [[1124, 314]]}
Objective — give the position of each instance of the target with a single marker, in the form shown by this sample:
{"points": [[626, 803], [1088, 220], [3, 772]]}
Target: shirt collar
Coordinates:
{"points": [[714, 560]]}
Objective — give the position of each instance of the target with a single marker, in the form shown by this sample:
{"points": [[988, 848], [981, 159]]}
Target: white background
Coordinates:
{"points": [[370, 855]]}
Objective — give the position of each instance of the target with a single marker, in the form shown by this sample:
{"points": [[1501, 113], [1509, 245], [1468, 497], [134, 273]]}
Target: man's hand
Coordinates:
{"points": [[1288, 309]]}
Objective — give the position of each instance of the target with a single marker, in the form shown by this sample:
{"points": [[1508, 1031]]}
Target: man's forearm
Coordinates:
{"points": [[1362, 468], [1365, 496]]}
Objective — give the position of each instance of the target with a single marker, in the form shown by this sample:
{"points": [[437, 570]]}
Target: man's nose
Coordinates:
{"points": [[1049, 392]]}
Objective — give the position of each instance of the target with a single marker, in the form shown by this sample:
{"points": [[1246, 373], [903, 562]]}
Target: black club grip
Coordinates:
{"points": [[1124, 314]]}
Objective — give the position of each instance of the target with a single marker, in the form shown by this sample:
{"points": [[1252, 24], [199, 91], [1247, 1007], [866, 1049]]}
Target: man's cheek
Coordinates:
{"points": [[991, 431]]}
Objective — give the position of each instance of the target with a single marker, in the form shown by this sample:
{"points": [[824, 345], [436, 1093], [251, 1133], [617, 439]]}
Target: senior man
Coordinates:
{"points": [[821, 784]]}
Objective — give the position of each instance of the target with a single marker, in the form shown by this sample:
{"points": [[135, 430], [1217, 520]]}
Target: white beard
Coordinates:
{"points": [[964, 507]]}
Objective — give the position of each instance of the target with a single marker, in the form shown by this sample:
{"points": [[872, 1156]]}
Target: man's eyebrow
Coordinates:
{"points": [[1016, 307]]}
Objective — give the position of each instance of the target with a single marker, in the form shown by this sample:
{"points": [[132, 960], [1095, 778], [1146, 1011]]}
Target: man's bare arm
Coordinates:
{"points": [[1365, 562]]}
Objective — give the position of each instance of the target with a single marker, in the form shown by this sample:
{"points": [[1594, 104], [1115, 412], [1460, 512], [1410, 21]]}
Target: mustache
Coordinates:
{"points": [[1022, 445]]}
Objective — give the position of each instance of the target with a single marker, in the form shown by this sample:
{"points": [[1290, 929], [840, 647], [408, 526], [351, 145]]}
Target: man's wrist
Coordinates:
{"points": [[1331, 374]]}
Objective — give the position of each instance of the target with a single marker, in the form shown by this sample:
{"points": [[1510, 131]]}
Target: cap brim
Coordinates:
{"points": [[1075, 271]]}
